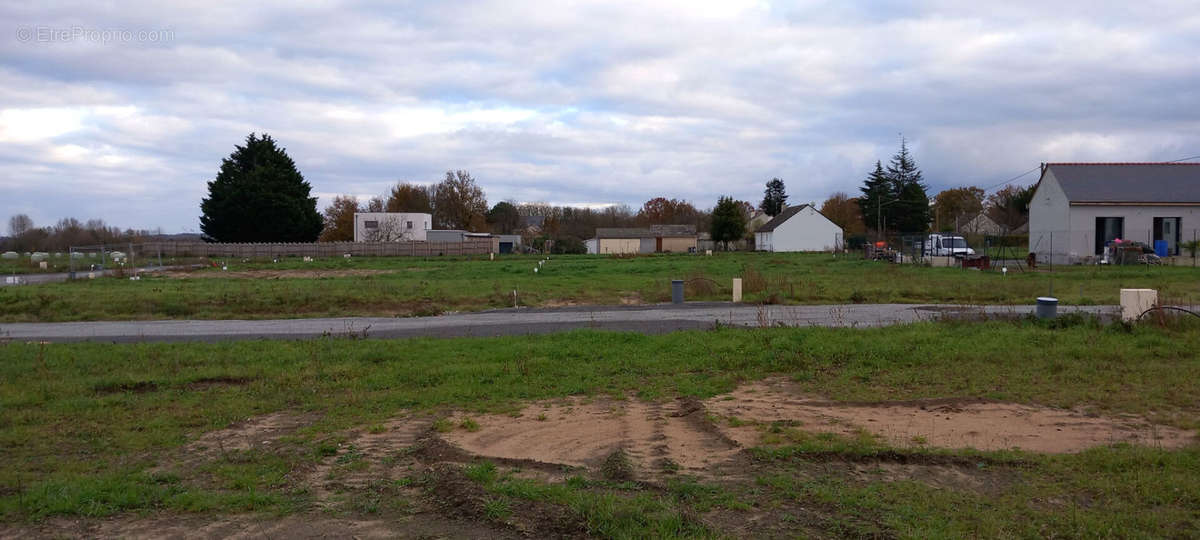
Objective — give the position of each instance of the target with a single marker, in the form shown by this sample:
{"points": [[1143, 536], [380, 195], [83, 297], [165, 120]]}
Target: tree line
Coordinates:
{"points": [[259, 195], [894, 200], [24, 235]]}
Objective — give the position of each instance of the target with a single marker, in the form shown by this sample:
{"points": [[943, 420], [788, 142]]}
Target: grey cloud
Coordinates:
{"points": [[591, 103]]}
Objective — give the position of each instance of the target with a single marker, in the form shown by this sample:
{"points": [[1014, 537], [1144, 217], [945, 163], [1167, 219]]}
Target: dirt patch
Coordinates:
{"points": [[557, 303], [424, 525], [455, 495], [272, 274], [366, 456], [655, 437], [945, 423], [260, 432], [634, 299], [206, 383], [140, 387]]}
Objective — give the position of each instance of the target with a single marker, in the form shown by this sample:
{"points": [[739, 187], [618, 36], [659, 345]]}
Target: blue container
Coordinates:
{"points": [[1160, 248], [1047, 307]]}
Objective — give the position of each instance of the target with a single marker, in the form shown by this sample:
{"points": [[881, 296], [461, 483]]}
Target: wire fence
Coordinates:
{"points": [[1114, 244], [1042, 250]]}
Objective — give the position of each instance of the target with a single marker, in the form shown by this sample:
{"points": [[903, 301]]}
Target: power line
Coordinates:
{"points": [[1017, 177]]}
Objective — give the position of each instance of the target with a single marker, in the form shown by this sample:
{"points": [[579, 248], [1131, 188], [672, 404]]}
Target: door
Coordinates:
{"points": [[658, 245], [1167, 229], [1107, 230]]}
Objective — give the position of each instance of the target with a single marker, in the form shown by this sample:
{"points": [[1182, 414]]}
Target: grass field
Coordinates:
{"points": [[96, 430], [409, 286]]}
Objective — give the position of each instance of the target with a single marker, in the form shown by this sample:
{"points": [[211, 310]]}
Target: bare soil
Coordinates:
{"points": [[273, 274], [260, 432], [943, 423], [579, 433], [404, 478]]}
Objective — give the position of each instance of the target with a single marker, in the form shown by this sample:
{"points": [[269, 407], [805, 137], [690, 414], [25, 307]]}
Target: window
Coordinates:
{"points": [[409, 225], [370, 224], [1107, 230]]}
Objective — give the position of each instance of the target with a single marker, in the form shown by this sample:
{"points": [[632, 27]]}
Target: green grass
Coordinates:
{"points": [[84, 426], [413, 286], [1118, 491]]}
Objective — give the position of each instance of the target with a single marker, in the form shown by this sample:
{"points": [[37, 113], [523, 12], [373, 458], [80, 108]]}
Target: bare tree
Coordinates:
{"points": [[390, 229], [19, 225], [459, 202]]}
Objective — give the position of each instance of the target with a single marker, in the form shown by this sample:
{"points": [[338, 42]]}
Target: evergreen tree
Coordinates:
{"points": [[774, 198], [728, 221], [911, 212], [259, 196], [876, 193]]}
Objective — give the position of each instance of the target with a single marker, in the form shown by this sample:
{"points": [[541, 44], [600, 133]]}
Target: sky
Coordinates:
{"points": [[123, 110]]}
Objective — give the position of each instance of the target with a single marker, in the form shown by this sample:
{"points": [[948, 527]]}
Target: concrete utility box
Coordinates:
{"points": [[1135, 302]]}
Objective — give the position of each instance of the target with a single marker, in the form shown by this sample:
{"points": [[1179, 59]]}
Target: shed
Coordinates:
{"points": [[652, 239]]}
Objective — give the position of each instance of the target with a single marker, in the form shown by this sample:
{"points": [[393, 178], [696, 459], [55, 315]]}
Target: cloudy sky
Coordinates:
{"points": [[124, 110]]}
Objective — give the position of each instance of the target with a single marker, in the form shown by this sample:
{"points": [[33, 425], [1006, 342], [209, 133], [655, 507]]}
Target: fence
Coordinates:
{"points": [[1180, 248], [321, 249], [918, 248], [1117, 245]]}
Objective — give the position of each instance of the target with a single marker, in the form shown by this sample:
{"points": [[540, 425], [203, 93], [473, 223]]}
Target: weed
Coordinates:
{"points": [[469, 425], [443, 425], [482, 473], [497, 508], [617, 466]]}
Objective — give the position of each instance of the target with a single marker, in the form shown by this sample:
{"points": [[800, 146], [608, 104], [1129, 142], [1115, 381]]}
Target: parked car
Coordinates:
{"points": [[939, 245]]}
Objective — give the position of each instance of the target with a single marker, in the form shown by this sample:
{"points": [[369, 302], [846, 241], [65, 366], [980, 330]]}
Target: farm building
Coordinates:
{"points": [[1079, 208], [391, 226], [798, 228], [653, 239]]}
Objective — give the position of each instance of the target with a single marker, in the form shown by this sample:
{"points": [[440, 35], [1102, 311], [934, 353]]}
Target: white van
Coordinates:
{"points": [[939, 245]]}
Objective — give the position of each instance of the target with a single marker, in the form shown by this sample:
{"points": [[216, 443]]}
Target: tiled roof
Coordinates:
{"points": [[1128, 182]]}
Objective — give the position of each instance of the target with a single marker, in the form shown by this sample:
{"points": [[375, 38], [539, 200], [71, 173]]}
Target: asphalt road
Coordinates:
{"points": [[653, 319]]}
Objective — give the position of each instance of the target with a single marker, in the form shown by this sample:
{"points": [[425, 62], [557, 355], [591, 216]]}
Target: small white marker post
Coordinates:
{"points": [[737, 289]]}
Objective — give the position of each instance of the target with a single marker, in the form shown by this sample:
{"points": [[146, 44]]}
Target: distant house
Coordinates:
{"points": [[981, 224], [799, 228], [1079, 208], [652, 239], [756, 219], [532, 225], [391, 226]]}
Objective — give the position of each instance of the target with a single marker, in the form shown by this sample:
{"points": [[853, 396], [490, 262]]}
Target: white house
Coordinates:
{"points": [[1078, 208], [391, 226], [798, 228]]}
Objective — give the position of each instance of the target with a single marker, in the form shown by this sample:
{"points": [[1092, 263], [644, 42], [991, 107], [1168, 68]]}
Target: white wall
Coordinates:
{"points": [[1064, 234], [393, 226], [1139, 223], [1050, 221], [808, 230]]}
